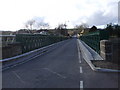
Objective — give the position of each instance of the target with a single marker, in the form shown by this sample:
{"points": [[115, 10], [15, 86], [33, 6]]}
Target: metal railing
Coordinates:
{"points": [[93, 39], [34, 41]]}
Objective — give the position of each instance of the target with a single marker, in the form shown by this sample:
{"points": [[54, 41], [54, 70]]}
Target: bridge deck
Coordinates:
{"points": [[60, 68]]}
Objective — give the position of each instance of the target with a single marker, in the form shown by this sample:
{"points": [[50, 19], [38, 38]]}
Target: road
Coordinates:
{"points": [[63, 67]]}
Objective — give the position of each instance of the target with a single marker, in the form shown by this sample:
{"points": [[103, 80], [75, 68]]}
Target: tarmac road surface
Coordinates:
{"points": [[63, 67]]}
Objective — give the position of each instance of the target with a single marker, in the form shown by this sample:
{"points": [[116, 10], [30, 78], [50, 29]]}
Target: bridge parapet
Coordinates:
{"points": [[9, 47], [110, 50], [34, 41], [6, 39], [93, 39], [13, 45]]}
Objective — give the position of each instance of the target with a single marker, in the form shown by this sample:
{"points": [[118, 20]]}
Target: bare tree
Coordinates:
{"points": [[79, 28], [61, 29], [46, 25], [29, 24], [82, 26], [61, 26], [37, 23]]}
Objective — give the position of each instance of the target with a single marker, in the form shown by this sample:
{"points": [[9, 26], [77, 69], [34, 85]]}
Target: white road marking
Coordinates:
{"points": [[81, 71], [81, 85], [79, 53], [22, 62], [18, 77], [55, 73]]}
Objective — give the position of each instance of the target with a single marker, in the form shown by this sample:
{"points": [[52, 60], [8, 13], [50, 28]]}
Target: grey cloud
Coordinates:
{"points": [[99, 18], [102, 16]]}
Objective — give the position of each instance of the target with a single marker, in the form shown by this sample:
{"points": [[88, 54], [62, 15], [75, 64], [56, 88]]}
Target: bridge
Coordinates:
{"points": [[58, 64]]}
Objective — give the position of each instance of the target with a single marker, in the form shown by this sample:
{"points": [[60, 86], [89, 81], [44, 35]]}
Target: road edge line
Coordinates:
{"points": [[91, 65]]}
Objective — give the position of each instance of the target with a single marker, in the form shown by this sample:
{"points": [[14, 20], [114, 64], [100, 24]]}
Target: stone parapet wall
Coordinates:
{"points": [[110, 50], [11, 50]]}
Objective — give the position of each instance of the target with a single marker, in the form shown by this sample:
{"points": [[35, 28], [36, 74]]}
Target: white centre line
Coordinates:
{"points": [[81, 70], [81, 85]]}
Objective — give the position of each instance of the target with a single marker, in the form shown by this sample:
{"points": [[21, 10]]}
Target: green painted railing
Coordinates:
{"points": [[92, 39], [34, 41]]}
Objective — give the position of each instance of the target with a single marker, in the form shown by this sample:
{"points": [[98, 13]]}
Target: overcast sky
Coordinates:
{"points": [[14, 13]]}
